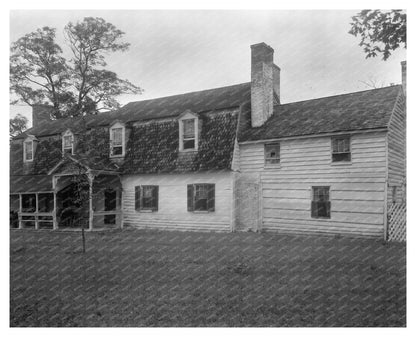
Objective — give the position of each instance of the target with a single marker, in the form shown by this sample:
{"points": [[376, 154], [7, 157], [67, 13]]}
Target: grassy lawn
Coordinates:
{"points": [[151, 278]]}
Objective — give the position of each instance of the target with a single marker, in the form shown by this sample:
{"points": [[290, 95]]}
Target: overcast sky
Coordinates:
{"points": [[174, 52]]}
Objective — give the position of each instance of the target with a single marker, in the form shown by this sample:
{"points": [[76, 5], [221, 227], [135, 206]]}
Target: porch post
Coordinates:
{"points": [[55, 203], [55, 222], [20, 212], [121, 203], [36, 212], [91, 211]]}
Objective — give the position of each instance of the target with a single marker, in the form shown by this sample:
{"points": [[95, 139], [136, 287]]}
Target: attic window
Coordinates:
{"points": [[341, 149], [28, 151], [188, 131], [117, 143], [68, 143], [272, 153], [188, 134]]}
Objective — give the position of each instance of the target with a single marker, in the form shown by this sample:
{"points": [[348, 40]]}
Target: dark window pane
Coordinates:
{"points": [[321, 206], [45, 202], [341, 157], [201, 204], [110, 200], [272, 153], [189, 144], [29, 203], [117, 150], [110, 219]]}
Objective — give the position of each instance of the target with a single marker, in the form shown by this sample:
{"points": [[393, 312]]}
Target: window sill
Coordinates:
{"points": [[189, 150], [321, 218], [272, 166], [341, 163], [202, 212], [146, 211]]}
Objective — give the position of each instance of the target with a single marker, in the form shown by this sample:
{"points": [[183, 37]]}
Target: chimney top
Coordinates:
{"points": [[41, 113]]}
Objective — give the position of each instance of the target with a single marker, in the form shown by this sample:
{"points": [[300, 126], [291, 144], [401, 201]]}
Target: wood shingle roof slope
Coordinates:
{"points": [[164, 107], [362, 110]]}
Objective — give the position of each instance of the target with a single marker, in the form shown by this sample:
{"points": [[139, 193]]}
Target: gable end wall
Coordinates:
{"points": [[396, 149]]}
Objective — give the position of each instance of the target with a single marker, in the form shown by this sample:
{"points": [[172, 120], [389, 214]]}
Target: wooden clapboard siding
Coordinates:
{"points": [[172, 212], [357, 189], [397, 151]]}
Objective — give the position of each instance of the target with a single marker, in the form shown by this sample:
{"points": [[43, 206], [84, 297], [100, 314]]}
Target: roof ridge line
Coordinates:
{"points": [[337, 95], [185, 93]]}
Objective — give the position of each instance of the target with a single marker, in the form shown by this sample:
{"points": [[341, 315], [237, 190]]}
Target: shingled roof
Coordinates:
{"points": [[154, 147], [171, 106], [362, 110]]}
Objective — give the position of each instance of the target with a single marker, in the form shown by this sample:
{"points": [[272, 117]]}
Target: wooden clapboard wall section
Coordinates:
{"points": [[397, 152], [173, 212], [357, 189]]}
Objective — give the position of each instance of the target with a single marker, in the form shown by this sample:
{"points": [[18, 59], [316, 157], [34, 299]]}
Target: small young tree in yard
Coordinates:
{"points": [[40, 74], [17, 125], [80, 197], [381, 32]]}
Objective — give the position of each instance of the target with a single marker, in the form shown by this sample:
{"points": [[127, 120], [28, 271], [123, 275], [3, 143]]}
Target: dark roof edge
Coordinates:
{"points": [[315, 134]]}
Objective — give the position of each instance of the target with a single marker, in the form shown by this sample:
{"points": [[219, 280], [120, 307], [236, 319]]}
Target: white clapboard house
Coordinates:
{"points": [[225, 159]]}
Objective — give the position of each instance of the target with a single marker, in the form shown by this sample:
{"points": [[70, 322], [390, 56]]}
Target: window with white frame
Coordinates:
{"points": [[341, 151], [68, 143], [188, 131], [147, 198], [272, 153], [201, 197], [28, 150], [117, 146], [189, 136], [321, 203]]}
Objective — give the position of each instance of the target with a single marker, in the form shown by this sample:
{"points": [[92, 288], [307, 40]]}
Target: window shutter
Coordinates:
{"points": [[211, 198], [328, 209], [137, 198], [156, 198], [314, 209], [190, 198]]}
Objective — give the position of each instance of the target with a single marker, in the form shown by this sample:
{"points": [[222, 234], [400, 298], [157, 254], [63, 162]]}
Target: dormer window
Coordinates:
{"points": [[28, 150], [188, 132], [117, 140], [68, 142]]}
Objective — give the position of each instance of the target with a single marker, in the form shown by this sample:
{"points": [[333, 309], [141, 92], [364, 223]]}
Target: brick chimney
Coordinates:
{"points": [[265, 78], [404, 77], [41, 113]]}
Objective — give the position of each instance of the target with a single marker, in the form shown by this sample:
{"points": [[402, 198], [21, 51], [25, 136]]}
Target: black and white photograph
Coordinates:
{"points": [[207, 168]]}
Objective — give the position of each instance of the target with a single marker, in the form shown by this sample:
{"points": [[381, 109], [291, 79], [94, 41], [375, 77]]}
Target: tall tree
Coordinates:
{"points": [[39, 74], [90, 40], [17, 125], [381, 32]]}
